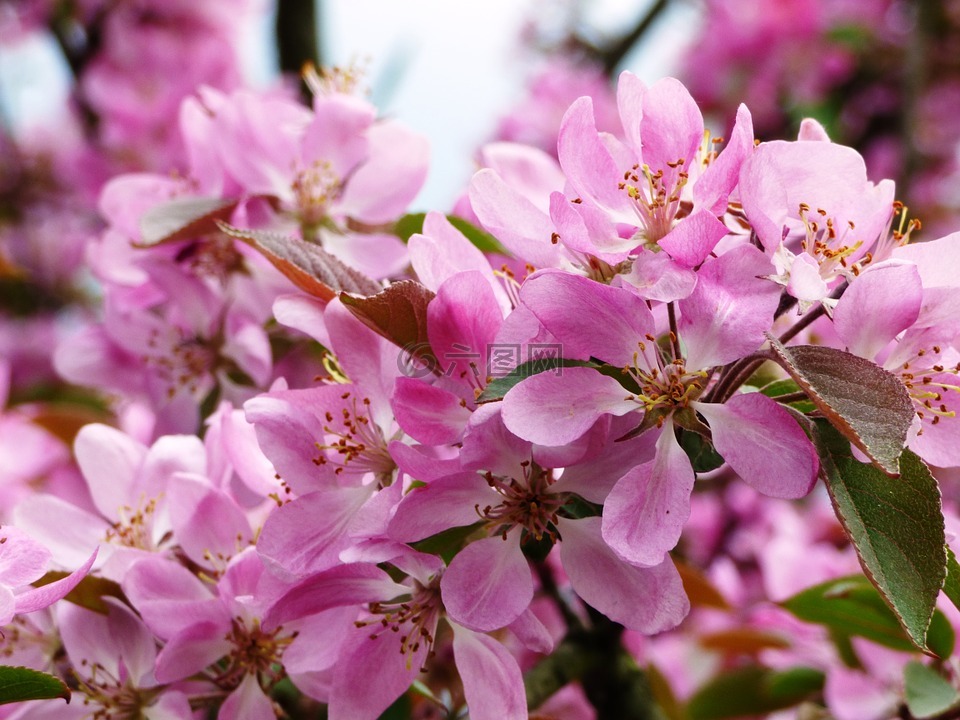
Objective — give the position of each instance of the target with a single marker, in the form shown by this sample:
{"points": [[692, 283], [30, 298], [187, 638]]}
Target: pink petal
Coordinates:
{"points": [[764, 445], [937, 260], [806, 284], [380, 189], [532, 172], [645, 512], [588, 318], [880, 303], [645, 599], [351, 699], [727, 314], [552, 409], [587, 163], [191, 650], [713, 188], [488, 583], [812, 131], [630, 92], [343, 585], [427, 413], [209, 526], [338, 133], [522, 227], [306, 535], [247, 702], [71, 538], [656, 276], [693, 238], [440, 505], [532, 633], [442, 251], [169, 597], [44, 596], [22, 559], [462, 323], [588, 230], [110, 461], [492, 682], [8, 605], [594, 479], [132, 641], [672, 126], [304, 314]]}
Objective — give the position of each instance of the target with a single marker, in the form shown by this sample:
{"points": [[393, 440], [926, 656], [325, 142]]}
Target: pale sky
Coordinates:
{"points": [[447, 68]]}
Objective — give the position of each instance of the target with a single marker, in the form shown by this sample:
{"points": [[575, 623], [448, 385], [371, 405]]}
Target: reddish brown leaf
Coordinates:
{"points": [[398, 313], [64, 420], [743, 640], [182, 219], [305, 264], [699, 589], [868, 405]]}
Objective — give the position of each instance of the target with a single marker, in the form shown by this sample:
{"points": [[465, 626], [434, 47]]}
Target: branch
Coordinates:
{"points": [[297, 33], [613, 682], [611, 56]]}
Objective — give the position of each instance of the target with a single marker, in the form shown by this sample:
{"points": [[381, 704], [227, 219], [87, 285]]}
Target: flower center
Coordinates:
{"points": [[254, 652], [213, 257], [314, 188], [525, 502], [931, 386], [355, 442], [115, 700], [183, 364], [133, 527], [414, 617], [829, 245], [656, 197], [664, 386]]}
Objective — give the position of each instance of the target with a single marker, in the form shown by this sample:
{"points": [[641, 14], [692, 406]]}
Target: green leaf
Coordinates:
{"points": [[951, 586], [703, 456], [398, 313], [409, 225], [926, 692], [753, 690], [401, 709], [413, 223], [480, 238], [941, 638], [19, 684], [500, 386], [869, 406], [788, 386], [305, 264], [850, 606], [182, 219], [896, 526], [448, 543]]}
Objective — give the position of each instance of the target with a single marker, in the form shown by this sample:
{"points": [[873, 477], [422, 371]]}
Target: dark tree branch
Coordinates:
{"points": [[614, 54], [297, 33]]}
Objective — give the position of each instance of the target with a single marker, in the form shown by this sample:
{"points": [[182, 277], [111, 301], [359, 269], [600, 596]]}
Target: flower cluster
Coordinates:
{"points": [[338, 450]]}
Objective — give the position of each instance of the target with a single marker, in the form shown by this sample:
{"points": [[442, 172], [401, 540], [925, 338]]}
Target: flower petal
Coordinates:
{"points": [[645, 512], [645, 599], [488, 583], [492, 682], [764, 445]]}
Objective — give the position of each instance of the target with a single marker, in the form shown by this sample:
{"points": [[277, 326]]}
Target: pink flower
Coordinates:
{"points": [[392, 633], [24, 561], [648, 507]]}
